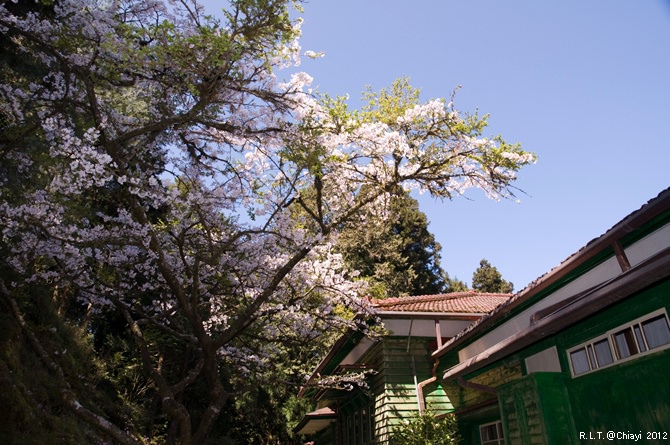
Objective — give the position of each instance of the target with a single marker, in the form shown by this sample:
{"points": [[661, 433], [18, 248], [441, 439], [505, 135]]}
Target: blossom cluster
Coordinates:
{"points": [[164, 169]]}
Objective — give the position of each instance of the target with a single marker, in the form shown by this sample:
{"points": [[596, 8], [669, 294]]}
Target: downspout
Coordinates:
{"points": [[416, 385], [419, 387], [461, 381]]}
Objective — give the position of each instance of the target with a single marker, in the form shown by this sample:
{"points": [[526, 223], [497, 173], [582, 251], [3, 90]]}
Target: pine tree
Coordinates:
{"points": [[454, 284], [488, 279], [395, 252]]}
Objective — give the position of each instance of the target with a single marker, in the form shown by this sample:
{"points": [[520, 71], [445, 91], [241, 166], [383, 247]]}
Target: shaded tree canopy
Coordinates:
{"points": [[488, 279], [395, 252], [151, 161]]}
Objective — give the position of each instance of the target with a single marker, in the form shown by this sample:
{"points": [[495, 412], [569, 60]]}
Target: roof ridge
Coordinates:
{"points": [[435, 297]]}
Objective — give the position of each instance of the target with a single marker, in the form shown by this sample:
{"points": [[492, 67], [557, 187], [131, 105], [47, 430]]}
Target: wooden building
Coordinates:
{"points": [[401, 372]]}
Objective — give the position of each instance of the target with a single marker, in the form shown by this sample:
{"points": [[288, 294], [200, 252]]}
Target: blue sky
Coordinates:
{"points": [[583, 84]]}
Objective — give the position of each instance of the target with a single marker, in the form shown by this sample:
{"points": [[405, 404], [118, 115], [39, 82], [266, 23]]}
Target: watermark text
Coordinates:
{"points": [[633, 436]]}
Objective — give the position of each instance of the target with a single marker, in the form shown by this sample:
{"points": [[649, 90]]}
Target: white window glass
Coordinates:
{"points": [[603, 352], [592, 357], [625, 344], [656, 331], [500, 432], [491, 434], [580, 362], [640, 338]]}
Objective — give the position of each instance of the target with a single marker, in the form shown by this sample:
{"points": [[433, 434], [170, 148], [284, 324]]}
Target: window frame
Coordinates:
{"points": [[358, 422], [500, 440], [610, 337]]}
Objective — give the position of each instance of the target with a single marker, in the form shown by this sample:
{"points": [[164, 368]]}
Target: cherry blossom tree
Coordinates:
{"points": [[151, 164]]}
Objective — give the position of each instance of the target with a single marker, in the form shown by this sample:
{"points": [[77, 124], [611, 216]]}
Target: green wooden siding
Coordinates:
{"points": [[396, 394], [634, 396], [392, 389], [478, 407]]}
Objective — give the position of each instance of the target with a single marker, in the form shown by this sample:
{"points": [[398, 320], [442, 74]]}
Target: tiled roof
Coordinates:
{"points": [[456, 302]]}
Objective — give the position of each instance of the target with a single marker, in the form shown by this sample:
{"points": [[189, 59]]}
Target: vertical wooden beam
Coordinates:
{"points": [[438, 333], [621, 257]]}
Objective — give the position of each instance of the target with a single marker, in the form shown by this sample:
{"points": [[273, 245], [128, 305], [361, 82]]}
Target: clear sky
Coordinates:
{"points": [[583, 84]]}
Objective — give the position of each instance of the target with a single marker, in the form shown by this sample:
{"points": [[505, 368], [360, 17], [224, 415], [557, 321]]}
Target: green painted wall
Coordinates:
{"points": [[536, 410], [478, 407], [397, 362], [468, 425], [632, 396]]}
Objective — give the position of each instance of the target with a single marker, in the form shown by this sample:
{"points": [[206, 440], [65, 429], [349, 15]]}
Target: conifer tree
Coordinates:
{"points": [[454, 284], [394, 252], [488, 279]]}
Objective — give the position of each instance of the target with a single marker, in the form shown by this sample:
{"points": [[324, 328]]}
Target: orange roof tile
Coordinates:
{"points": [[458, 302]]}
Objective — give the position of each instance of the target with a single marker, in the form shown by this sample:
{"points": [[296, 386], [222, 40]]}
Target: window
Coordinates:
{"points": [[580, 362], [656, 331], [603, 352], [358, 424], [625, 343], [491, 433], [591, 356], [642, 336]]}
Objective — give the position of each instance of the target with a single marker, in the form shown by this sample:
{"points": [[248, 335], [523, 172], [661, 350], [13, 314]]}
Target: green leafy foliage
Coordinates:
{"points": [[426, 429], [389, 104]]}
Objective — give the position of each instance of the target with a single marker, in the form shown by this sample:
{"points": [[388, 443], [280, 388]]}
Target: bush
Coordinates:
{"points": [[426, 429]]}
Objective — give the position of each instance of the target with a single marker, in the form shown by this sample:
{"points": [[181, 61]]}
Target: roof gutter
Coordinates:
{"points": [[634, 280], [476, 386]]}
